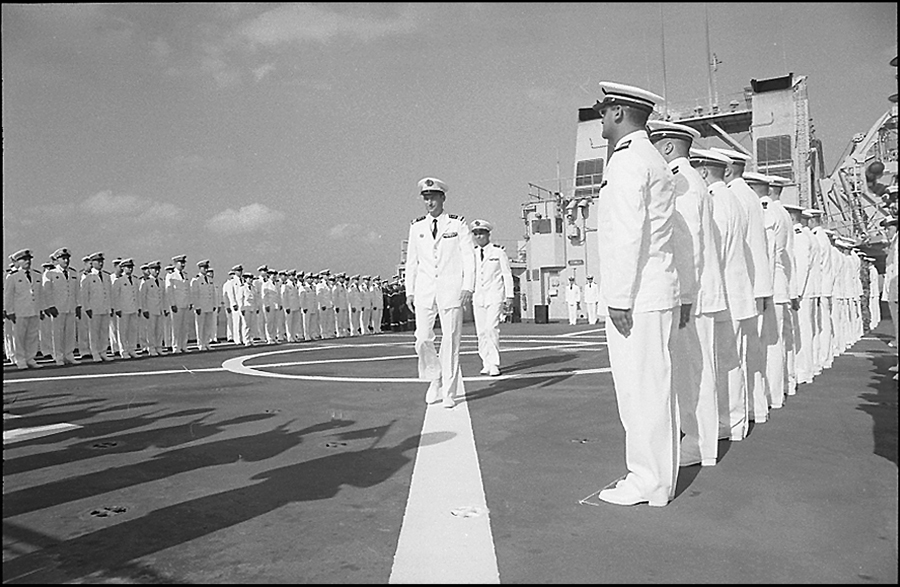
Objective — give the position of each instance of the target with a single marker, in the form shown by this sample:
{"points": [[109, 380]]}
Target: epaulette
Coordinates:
{"points": [[623, 146], [675, 170], [419, 219], [798, 230], [455, 217], [603, 184]]}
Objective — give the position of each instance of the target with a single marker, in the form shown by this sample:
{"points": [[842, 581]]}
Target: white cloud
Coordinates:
{"points": [[248, 218], [353, 231], [317, 23], [128, 207], [261, 71]]}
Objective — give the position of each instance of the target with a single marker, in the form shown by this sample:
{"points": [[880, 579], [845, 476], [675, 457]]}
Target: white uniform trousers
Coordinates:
{"points": [[9, 340], [180, 329], [731, 390], [205, 323], [804, 342], [310, 320], [894, 309], [293, 324], [247, 326], [755, 366], [229, 326], [789, 333], [156, 332], [874, 311], [26, 331], [444, 368], [366, 320], [343, 321], [824, 356], [647, 403], [64, 337], [45, 336], [99, 333], [115, 344], [816, 335], [592, 312], [772, 334], [82, 334], [326, 322], [280, 324], [236, 329], [487, 326], [377, 316], [127, 332], [573, 313], [694, 381]]}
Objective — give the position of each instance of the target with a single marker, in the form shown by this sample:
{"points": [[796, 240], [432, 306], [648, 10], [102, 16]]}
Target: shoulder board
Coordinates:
{"points": [[798, 230], [419, 219], [603, 184], [623, 146], [675, 169], [456, 216]]}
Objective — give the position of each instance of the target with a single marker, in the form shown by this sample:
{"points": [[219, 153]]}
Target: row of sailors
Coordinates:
{"points": [[101, 314], [774, 295]]}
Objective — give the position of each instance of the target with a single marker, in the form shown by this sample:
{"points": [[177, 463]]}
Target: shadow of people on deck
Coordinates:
{"points": [[256, 447], [318, 479], [881, 403]]}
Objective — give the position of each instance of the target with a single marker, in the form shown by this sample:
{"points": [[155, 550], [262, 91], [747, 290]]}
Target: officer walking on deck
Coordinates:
{"points": [[592, 300], [639, 281], [440, 279], [493, 295]]}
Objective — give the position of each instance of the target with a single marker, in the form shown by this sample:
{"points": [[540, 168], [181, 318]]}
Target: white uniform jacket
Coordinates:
{"points": [[438, 269], [178, 290], [800, 285], [573, 295], [62, 289], [694, 203], [756, 238], [97, 292], [324, 295], [125, 294], [153, 296], [826, 277], [635, 229], [21, 297], [203, 294], [290, 296], [230, 291], [777, 230], [493, 278], [731, 224]]}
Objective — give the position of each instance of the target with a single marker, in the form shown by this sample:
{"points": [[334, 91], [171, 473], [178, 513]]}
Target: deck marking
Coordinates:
{"points": [[29, 432], [581, 333], [437, 545]]}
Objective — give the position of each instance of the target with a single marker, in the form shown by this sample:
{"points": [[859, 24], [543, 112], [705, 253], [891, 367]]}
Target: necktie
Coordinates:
{"points": [[482, 253], [100, 276], [434, 228], [157, 282], [129, 281], [28, 275]]}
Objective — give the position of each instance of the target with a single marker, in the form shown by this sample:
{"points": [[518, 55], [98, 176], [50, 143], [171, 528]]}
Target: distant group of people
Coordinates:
{"points": [[59, 311], [720, 300]]}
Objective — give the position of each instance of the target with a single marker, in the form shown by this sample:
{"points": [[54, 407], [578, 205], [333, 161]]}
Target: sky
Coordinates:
{"points": [[294, 135]]}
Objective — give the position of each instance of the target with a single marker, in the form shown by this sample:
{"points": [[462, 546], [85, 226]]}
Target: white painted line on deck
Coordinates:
{"points": [[582, 333], [436, 546], [27, 433]]}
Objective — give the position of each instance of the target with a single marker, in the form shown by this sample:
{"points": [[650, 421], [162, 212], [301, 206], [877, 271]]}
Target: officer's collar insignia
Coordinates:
{"points": [[419, 219], [455, 216]]}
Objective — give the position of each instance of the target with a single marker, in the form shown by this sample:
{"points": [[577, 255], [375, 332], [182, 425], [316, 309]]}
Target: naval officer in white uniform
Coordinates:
{"points": [[439, 280], [493, 295], [693, 355], [639, 281]]}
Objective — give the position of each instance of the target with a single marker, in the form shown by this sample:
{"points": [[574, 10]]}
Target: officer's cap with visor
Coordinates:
{"points": [[616, 94], [734, 156], [707, 157], [660, 129], [753, 177], [429, 185], [482, 225], [59, 253]]}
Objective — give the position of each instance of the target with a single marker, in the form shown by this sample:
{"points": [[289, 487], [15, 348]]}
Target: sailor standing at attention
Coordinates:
{"points": [[694, 352], [440, 279], [203, 301], [730, 326], [755, 358], [82, 327], [493, 295], [639, 281], [62, 294], [23, 306], [125, 300], [772, 392], [573, 300], [45, 331], [178, 295], [592, 300], [153, 304], [96, 296]]}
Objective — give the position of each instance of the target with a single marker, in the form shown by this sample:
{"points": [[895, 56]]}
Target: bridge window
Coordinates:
{"points": [[774, 157]]}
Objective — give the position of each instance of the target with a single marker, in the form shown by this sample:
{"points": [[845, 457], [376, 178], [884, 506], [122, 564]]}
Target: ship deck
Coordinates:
{"points": [[319, 462]]}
